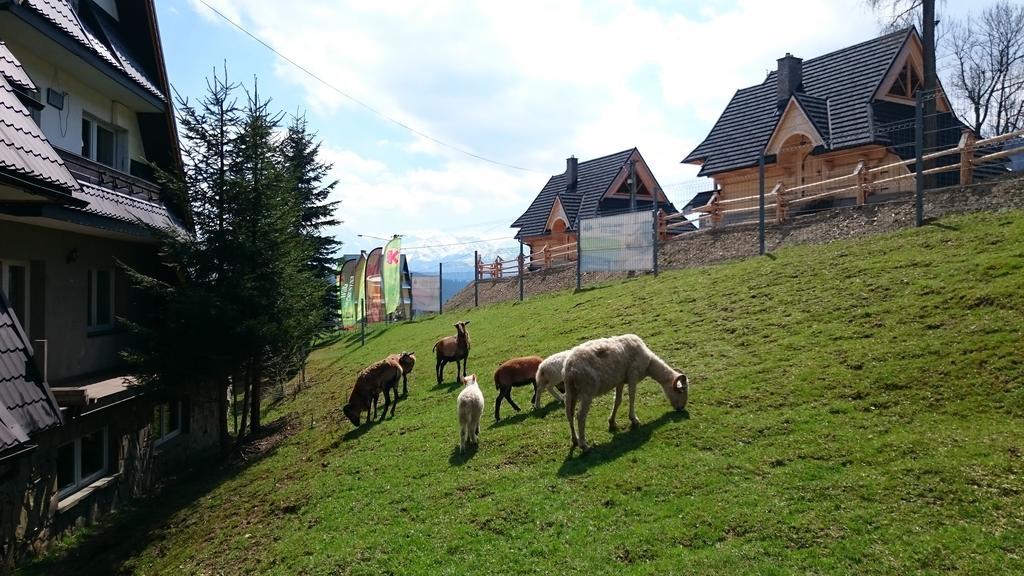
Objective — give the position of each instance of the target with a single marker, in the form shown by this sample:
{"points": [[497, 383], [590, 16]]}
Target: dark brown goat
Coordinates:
{"points": [[378, 377], [453, 349], [407, 360], [512, 373]]}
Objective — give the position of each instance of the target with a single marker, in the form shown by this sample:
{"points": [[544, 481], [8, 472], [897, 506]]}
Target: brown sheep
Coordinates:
{"points": [[378, 377], [512, 373], [407, 360], [453, 349]]}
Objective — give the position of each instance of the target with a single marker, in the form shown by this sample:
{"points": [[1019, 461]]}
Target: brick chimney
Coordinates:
{"points": [[570, 173], [789, 77]]}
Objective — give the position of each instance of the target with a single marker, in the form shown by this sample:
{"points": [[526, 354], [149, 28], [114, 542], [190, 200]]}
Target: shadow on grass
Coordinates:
{"points": [[104, 548], [459, 458], [447, 386], [527, 412], [621, 443]]}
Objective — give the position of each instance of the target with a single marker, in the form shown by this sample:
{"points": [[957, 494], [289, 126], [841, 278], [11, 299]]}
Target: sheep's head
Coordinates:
{"points": [[469, 380], [351, 413], [407, 360], [677, 392], [460, 328]]}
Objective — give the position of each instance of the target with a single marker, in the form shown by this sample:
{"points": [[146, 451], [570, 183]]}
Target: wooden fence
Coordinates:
{"points": [[861, 180]]}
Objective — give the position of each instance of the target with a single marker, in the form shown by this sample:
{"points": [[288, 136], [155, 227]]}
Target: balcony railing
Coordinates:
{"points": [[86, 170]]}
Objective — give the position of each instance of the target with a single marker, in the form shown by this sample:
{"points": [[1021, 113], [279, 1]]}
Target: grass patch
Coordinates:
{"points": [[854, 408]]}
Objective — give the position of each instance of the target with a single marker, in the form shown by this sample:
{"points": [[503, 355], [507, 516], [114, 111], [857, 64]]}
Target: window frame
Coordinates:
{"points": [[90, 144], [176, 426], [81, 482], [5, 273], [92, 300]]}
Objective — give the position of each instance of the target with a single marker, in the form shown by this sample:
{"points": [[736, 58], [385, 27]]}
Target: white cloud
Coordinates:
{"points": [[527, 83]]}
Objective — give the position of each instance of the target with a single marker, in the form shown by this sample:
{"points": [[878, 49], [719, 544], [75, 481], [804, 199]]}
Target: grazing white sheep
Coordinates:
{"points": [[470, 406], [549, 377], [596, 367]]}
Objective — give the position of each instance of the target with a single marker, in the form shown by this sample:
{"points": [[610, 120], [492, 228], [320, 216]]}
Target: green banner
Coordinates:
{"points": [[347, 294], [359, 287], [391, 274]]}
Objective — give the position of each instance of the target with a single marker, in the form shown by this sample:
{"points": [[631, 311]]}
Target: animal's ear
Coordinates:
{"points": [[466, 323], [681, 382]]}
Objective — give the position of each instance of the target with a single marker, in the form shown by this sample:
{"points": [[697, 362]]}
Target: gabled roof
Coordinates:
{"points": [[837, 91], [25, 153], [593, 178], [26, 404], [60, 14], [12, 71]]}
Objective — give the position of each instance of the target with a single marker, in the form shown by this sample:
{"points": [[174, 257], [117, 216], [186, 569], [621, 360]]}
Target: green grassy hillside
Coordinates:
{"points": [[854, 408]]}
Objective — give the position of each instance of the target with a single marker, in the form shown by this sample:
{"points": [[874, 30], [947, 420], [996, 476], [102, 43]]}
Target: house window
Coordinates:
{"points": [[907, 83], [103, 143], [14, 278], [166, 421], [100, 299], [81, 462]]}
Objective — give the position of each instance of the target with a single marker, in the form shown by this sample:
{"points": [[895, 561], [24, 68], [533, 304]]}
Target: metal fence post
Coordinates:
{"points": [[520, 270], [579, 252], [476, 277], [654, 247], [760, 203], [919, 163], [440, 288]]}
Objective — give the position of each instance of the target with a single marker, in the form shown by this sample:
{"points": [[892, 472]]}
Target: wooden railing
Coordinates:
{"points": [[862, 180], [86, 170]]}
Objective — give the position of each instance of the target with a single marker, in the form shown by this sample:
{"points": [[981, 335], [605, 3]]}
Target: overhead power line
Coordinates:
{"points": [[364, 104]]}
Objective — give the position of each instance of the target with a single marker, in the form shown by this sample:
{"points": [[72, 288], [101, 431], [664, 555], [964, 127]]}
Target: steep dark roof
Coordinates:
{"points": [[26, 404], [817, 111], [130, 209], [701, 199], [12, 71], [593, 178], [60, 14], [840, 84], [24, 151]]}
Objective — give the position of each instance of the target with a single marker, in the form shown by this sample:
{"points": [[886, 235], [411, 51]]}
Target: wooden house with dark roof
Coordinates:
{"points": [[84, 113], [818, 119], [611, 184]]}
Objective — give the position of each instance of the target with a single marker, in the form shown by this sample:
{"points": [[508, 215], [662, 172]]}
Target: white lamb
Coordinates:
{"points": [[549, 377], [597, 366], [470, 406]]}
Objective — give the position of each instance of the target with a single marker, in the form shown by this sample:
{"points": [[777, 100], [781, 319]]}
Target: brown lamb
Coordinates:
{"points": [[381, 376], [513, 373], [453, 349], [407, 360]]}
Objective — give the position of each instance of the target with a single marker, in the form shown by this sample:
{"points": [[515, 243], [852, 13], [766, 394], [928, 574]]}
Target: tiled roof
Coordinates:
{"points": [[130, 209], [593, 178], [817, 112], [846, 79], [12, 71], [26, 405], [24, 150], [701, 199], [61, 15]]}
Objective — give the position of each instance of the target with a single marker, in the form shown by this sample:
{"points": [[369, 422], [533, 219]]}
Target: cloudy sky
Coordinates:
{"points": [[523, 83]]}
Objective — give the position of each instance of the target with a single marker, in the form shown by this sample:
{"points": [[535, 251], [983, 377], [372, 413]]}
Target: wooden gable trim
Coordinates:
{"points": [[794, 120], [557, 213], [912, 54], [644, 175]]}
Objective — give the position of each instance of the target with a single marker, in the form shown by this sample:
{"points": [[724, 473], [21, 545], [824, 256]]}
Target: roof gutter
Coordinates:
{"points": [[42, 189], [48, 29]]}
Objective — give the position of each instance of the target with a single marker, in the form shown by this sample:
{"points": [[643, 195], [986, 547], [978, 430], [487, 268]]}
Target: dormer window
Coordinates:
{"points": [[907, 83], [103, 143]]}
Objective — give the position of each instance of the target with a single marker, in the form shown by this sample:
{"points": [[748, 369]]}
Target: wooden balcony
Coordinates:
{"points": [[86, 170]]}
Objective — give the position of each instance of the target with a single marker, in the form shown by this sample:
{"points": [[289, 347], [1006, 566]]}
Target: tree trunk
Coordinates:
{"points": [[245, 411], [222, 417], [254, 404]]}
